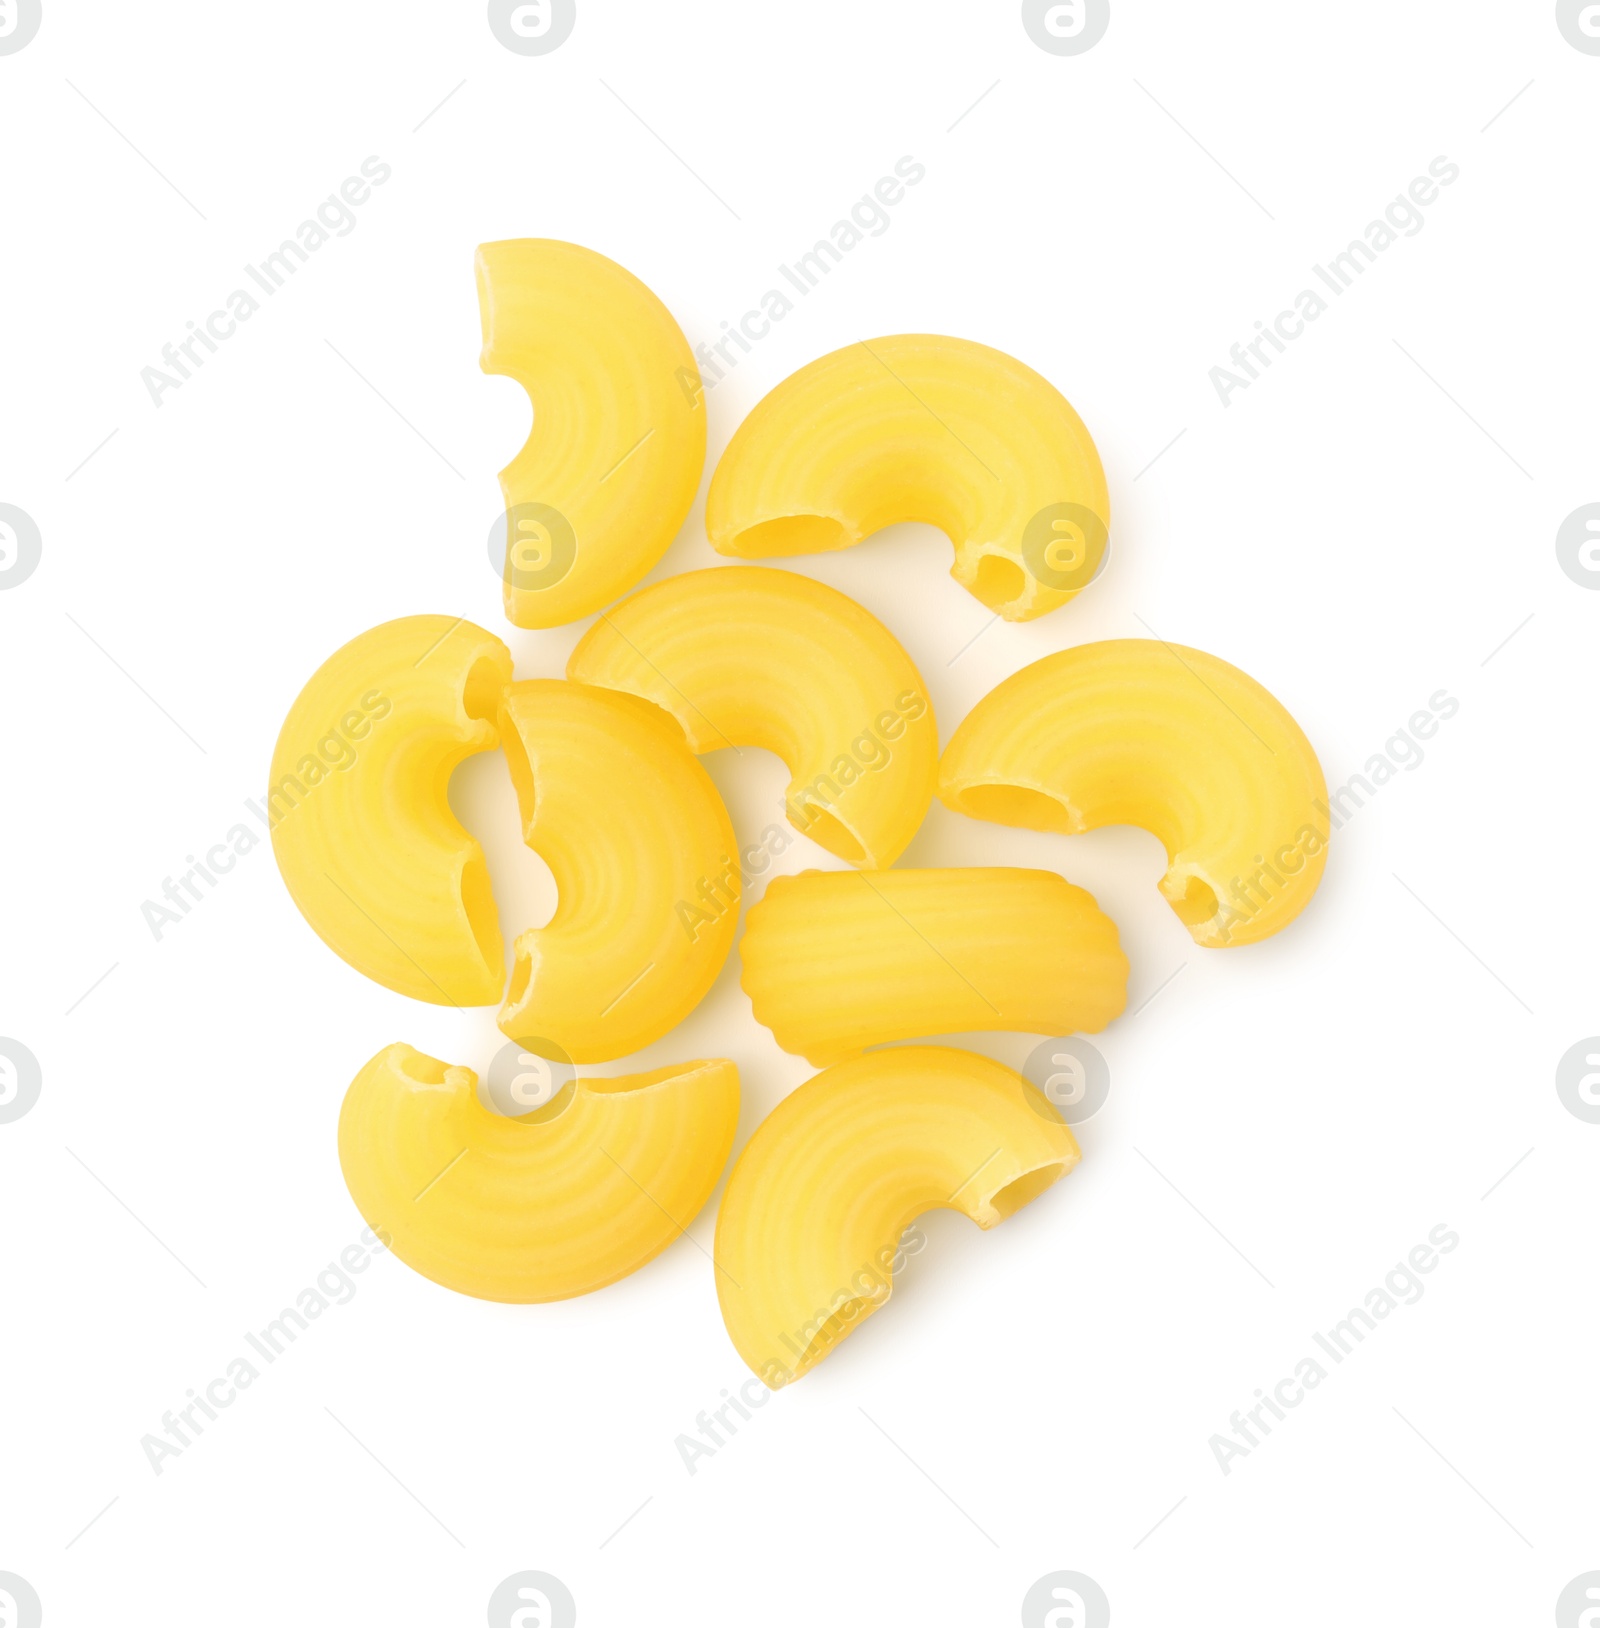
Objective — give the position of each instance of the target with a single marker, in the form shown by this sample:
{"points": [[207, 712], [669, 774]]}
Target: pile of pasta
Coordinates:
{"points": [[533, 1203]]}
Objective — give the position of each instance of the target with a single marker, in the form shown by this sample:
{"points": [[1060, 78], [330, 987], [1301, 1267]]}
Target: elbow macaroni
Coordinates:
{"points": [[744, 656], [921, 427], [592, 1184], [836, 1172], [836, 961], [619, 441], [642, 852], [555, 1203], [1140, 732], [368, 847]]}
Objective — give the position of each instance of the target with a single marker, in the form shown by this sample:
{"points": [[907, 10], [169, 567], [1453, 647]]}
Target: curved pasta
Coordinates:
{"points": [[746, 656], [818, 1199], [553, 1204], [835, 961], [921, 427], [619, 435], [1140, 732], [362, 827], [642, 852]]}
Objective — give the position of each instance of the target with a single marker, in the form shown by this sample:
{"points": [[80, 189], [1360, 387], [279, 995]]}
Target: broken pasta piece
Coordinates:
{"points": [[613, 463], [554, 1203], [362, 827], [835, 961], [643, 856]]}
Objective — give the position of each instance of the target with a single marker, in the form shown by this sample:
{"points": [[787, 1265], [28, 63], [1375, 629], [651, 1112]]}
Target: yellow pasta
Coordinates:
{"points": [[362, 827], [642, 852], [921, 427], [745, 656], [818, 1199], [619, 427], [835, 961], [552, 1204], [1140, 732]]}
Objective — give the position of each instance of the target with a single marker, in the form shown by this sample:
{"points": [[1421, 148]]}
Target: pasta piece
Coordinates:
{"points": [[921, 427], [642, 852], [362, 827], [619, 425], [745, 656], [835, 961], [553, 1204], [1140, 732], [818, 1199]]}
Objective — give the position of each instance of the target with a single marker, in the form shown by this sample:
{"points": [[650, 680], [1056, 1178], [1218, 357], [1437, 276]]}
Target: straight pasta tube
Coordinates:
{"points": [[836, 961]]}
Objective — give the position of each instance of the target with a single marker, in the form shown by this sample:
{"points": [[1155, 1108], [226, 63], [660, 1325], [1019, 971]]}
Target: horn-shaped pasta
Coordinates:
{"points": [[555, 1203], [362, 827], [921, 427], [619, 425], [810, 1223], [643, 856], [1141, 732], [744, 656]]}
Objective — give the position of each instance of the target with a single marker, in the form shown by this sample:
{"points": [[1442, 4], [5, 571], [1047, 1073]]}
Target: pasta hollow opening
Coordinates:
{"points": [[999, 582], [1198, 904], [477, 899], [832, 833], [425, 1070], [1025, 1189], [792, 534], [480, 695], [553, 1109], [521, 977], [522, 781], [1015, 805]]}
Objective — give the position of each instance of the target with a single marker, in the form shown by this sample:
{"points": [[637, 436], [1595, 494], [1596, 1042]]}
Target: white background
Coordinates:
{"points": [[1285, 1122]]}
